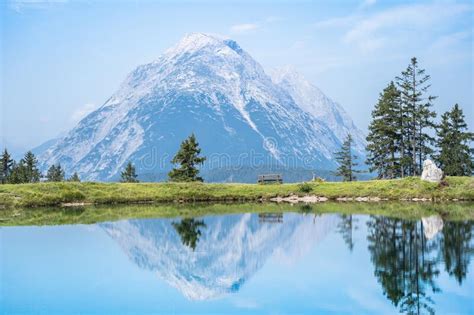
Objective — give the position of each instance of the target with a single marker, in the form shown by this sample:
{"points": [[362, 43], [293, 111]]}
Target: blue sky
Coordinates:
{"points": [[61, 59]]}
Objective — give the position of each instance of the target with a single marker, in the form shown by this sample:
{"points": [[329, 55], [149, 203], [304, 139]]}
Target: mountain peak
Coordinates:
{"points": [[193, 42]]}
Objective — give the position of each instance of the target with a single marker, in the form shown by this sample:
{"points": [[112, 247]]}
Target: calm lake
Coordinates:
{"points": [[245, 263]]}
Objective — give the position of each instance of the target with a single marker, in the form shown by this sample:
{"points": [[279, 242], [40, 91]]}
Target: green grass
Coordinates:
{"points": [[95, 214], [55, 194]]}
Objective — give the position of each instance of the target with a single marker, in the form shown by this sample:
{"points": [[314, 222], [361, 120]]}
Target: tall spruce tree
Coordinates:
{"points": [[6, 165], [417, 117], [454, 154], [384, 140], [188, 158], [346, 161], [55, 173], [33, 175], [129, 175]]}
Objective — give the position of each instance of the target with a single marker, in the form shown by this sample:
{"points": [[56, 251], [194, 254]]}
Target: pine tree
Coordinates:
{"points": [[55, 173], [187, 158], [455, 155], [6, 165], [385, 134], [74, 178], [25, 171], [417, 117], [33, 175], [346, 161], [129, 175]]}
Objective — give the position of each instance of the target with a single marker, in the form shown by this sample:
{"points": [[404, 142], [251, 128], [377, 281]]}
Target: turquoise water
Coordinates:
{"points": [[241, 264]]}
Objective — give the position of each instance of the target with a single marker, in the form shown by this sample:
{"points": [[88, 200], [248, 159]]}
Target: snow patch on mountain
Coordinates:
{"points": [[312, 100]]}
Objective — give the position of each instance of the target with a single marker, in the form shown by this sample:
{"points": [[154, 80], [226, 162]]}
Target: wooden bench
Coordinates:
{"points": [[270, 179]]}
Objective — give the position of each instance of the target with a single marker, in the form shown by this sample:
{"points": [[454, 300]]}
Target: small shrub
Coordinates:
{"points": [[443, 183], [305, 188]]}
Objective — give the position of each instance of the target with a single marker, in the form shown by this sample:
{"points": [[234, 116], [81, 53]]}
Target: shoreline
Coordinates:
{"points": [[70, 194], [91, 214]]}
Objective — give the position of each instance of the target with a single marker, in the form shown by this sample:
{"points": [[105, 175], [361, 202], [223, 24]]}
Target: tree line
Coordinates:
{"points": [[26, 170], [403, 133]]}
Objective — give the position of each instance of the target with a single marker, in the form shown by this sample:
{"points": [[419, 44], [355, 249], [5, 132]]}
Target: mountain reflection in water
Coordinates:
{"points": [[206, 258], [210, 257]]}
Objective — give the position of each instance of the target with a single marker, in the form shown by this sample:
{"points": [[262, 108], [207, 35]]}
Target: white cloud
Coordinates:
{"points": [[82, 112], [244, 28], [249, 27], [373, 31], [369, 32], [452, 40]]}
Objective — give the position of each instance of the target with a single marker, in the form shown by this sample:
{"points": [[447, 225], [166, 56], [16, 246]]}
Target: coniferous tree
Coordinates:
{"points": [[417, 117], [188, 158], [74, 178], [33, 175], [26, 170], [346, 161], [455, 155], [18, 173], [6, 165], [384, 141], [129, 175], [55, 173]]}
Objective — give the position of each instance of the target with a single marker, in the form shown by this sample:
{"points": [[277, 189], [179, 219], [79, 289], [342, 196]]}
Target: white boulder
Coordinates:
{"points": [[431, 172]]}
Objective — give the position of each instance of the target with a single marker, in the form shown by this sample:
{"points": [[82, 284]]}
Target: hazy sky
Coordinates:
{"points": [[62, 59]]}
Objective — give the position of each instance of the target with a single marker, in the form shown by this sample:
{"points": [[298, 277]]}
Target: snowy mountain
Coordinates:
{"points": [[230, 250], [212, 87]]}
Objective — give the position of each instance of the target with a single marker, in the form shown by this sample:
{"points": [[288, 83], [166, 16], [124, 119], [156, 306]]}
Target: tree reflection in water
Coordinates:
{"points": [[407, 264], [457, 248], [346, 227], [189, 231]]}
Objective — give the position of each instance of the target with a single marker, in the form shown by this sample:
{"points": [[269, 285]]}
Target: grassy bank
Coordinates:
{"points": [[54, 194], [107, 213]]}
